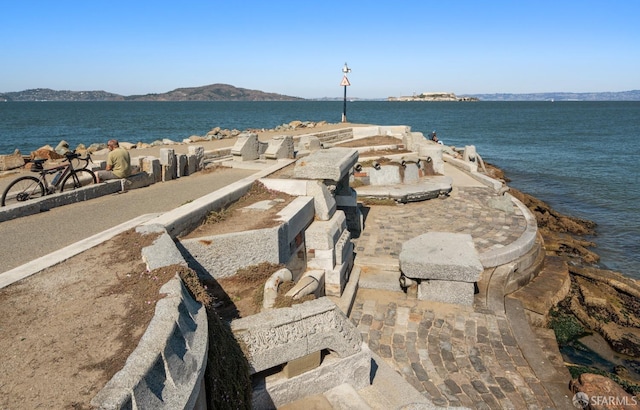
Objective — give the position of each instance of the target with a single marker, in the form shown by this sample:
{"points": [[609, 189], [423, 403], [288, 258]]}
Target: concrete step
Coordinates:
{"points": [[379, 273], [545, 291]]}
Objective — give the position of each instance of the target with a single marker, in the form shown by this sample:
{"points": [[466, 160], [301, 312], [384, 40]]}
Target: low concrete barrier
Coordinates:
{"points": [[166, 370], [48, 202]]}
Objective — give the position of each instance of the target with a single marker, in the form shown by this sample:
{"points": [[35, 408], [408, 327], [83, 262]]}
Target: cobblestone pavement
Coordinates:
{"points": [[466, 210], [454, 355]]}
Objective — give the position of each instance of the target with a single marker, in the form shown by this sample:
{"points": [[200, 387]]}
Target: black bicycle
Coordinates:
{"points": [[65, 177]]}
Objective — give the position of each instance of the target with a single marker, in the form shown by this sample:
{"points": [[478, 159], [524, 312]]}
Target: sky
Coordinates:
{"points": [[298, 48]]}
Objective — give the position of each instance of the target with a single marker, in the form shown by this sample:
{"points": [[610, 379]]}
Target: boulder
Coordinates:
{"points": [[127, 145], [11, 161], [599, 393], [62, 147], [45, 152]]}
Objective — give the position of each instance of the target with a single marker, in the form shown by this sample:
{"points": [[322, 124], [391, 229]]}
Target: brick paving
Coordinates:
{"points": [[454, 355]]}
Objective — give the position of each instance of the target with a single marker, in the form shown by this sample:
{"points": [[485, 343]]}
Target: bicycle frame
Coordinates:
{"points": [[26, 187], [66, 169]]}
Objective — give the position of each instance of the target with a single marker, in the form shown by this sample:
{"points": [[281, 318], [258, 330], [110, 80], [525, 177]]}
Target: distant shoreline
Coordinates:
{"points": [[226, 93]]}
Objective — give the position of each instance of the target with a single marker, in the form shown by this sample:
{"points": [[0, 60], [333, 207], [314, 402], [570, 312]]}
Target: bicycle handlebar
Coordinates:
{"points": [[73, 155]]}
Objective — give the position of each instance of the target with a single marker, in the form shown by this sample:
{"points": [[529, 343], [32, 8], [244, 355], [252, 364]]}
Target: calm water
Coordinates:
{"points": [[580, 157]]}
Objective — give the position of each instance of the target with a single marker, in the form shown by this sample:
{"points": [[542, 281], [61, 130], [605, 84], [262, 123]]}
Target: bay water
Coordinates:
{"points": [[579, 157]]}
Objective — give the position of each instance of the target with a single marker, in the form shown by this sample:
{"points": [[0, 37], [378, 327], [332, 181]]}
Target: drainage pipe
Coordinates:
{"points": [[271, 286]]}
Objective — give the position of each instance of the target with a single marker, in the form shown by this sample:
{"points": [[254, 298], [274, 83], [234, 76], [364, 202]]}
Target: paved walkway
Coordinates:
{"points": [[454, 355], [25, 239]]}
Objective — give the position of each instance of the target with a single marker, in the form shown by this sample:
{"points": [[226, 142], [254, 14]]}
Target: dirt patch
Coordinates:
{"points": [[237, 217], [370, 141], [241, 295], [378, 140], [68, 329]]}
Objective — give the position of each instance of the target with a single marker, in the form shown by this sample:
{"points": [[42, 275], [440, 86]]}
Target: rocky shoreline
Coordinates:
{"points": [[601, 303]]}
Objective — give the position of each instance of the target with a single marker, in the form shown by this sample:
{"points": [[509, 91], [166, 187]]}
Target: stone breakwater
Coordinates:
{"points": [[18, 159]]}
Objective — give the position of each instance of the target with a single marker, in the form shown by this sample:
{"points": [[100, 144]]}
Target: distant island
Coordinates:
{"points": [[633, 95], [226, 92], [433, 96], [213, 92], [553, 96]]}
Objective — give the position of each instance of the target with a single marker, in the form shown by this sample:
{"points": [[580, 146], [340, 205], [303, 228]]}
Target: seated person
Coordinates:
{"points": [[118, 163]]}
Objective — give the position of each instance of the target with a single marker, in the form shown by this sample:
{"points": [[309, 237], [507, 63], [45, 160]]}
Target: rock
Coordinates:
{"points": [[554, 221], [602, 393], [11, 161], [622, 339], [45, 152], [214, 131], [62, 147], [295, 124], [195, 138], [563, 244], [127, 145], [95, 147]]}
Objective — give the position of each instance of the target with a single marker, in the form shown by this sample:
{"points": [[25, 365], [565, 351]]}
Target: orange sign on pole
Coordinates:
{"points": [[345, 81]]}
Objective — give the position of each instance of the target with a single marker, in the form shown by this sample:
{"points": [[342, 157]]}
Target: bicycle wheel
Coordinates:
{"points": [[77, 179], [22, 189]]}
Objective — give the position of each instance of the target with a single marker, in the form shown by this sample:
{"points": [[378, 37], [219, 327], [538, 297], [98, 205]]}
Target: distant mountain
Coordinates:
{"points": [[213, 92], [633, 95]]}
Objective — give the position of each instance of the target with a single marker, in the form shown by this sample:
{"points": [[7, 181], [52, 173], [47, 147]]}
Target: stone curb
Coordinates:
{"points": [[48, 202], [519, 247], [67, 252]]}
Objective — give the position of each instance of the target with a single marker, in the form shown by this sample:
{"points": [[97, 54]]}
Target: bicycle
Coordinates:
{"points": [[66, 177]]}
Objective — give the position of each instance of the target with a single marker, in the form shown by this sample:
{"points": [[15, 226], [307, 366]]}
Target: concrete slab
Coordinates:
{"points": [[441, 256]]}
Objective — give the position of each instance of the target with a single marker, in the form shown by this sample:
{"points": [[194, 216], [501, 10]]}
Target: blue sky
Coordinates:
{"points": [[299, 48]]}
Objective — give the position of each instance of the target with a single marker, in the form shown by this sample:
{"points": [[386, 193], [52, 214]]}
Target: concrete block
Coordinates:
{"points": [[168, 163], [324, 202], [277, 391], [139, 180], [445, 291], [330, 164], [163, 252], [302, 364], [280, 147], [411, 173], [272, 337], [321, 259], [246, 147], [442, 256], [198, 152], [324, 234], [433, 152], [384, 175], [309, 143], [344, 248], [336, 279], [152, 166], [192, 164], [182, 166], [222, 255]]}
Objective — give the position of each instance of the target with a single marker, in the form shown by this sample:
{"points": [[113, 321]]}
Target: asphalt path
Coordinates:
{"points": [[25, 239]]}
